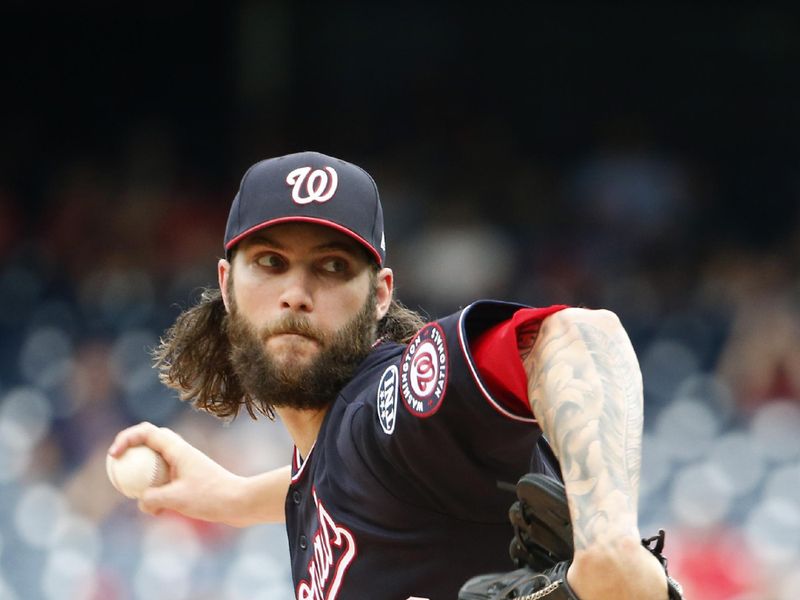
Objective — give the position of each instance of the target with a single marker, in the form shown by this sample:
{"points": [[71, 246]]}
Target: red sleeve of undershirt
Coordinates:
{"points": [[497, 359]]}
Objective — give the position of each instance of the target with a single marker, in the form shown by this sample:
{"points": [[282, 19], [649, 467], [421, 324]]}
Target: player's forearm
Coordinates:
{"points": [[261, 498], [585, 388]]}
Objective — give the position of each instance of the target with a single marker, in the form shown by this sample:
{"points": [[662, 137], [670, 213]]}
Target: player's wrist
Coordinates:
{"points": [[235, 503], [623, 569], [246, 501]]}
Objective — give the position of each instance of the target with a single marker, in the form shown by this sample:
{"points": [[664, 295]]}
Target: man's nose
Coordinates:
{"points": [[297, 295]]}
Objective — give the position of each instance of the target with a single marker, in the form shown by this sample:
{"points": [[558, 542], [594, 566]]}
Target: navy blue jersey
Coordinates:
{"points": [[399, 496]]}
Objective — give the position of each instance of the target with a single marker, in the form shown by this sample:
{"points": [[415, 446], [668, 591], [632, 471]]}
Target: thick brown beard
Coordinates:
{"points": [[314, 386]]}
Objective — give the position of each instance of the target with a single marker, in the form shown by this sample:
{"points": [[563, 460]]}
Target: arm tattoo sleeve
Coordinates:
{"points": [[585, 388]]}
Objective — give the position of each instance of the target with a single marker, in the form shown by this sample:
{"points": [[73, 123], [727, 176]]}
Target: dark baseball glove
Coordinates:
{"points": [[542, 548], [542, 526]]}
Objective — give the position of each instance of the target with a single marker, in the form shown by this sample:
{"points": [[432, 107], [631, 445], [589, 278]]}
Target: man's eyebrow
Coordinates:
{"points": [[263, 239], [343, 246]]}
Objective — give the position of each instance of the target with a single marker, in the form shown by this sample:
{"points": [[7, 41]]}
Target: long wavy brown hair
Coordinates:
{"points": [[193, 356]]}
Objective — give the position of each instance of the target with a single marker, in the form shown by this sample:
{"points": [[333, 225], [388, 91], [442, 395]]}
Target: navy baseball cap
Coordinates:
{"points": [[313, 188]]}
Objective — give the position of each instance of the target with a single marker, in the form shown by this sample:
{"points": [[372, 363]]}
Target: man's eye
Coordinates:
{"points": [[270, 260], [334, 265]]}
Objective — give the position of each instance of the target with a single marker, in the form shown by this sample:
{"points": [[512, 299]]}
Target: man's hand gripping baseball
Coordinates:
{"points": [[201, 488]]}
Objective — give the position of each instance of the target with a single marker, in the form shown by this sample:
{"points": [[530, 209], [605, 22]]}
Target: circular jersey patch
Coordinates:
{"points": [[423, 372]]}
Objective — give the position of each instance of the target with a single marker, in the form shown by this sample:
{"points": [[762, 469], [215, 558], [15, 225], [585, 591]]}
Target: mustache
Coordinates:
{"points": [[291, 324]]}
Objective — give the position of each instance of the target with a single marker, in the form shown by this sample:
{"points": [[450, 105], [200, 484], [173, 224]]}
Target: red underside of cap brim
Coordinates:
{"points": [[375, 254]]}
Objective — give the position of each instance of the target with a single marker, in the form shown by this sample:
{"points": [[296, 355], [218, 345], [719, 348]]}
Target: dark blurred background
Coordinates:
{"points": [[642, 159]]}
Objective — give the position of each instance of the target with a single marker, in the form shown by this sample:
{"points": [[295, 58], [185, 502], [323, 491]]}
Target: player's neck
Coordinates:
{"points": [[303, 426]]}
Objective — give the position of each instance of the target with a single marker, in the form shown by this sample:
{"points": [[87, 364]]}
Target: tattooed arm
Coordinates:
{"points": [[585, 389]]}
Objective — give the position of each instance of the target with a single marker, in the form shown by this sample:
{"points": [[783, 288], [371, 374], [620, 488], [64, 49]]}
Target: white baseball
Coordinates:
{"points": [[137, 469]]}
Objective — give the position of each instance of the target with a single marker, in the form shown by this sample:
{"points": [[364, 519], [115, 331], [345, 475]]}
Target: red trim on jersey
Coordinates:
{"points": [[299, 464], [500, 408], [497, 359]]}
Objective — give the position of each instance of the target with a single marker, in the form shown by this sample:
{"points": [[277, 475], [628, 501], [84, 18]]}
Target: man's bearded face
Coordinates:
{"points": [[282, 381]]}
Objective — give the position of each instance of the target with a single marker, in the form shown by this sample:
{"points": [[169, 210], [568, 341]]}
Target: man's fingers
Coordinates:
{"points": [[145, 508], [131, 436], [160, 439], [164, 441], [154, 500]]}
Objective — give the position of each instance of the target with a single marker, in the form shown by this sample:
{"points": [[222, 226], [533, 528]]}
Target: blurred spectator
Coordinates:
{"points": [[450, 261], [761, 358]]}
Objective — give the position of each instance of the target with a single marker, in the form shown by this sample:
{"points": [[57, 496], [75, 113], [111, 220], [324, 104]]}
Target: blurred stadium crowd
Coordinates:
{"points": [[111, 263], [98, 256]]}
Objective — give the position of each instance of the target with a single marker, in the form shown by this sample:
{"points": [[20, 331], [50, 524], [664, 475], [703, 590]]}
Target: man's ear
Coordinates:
{"points": [[223, 273], [384, 292]]}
